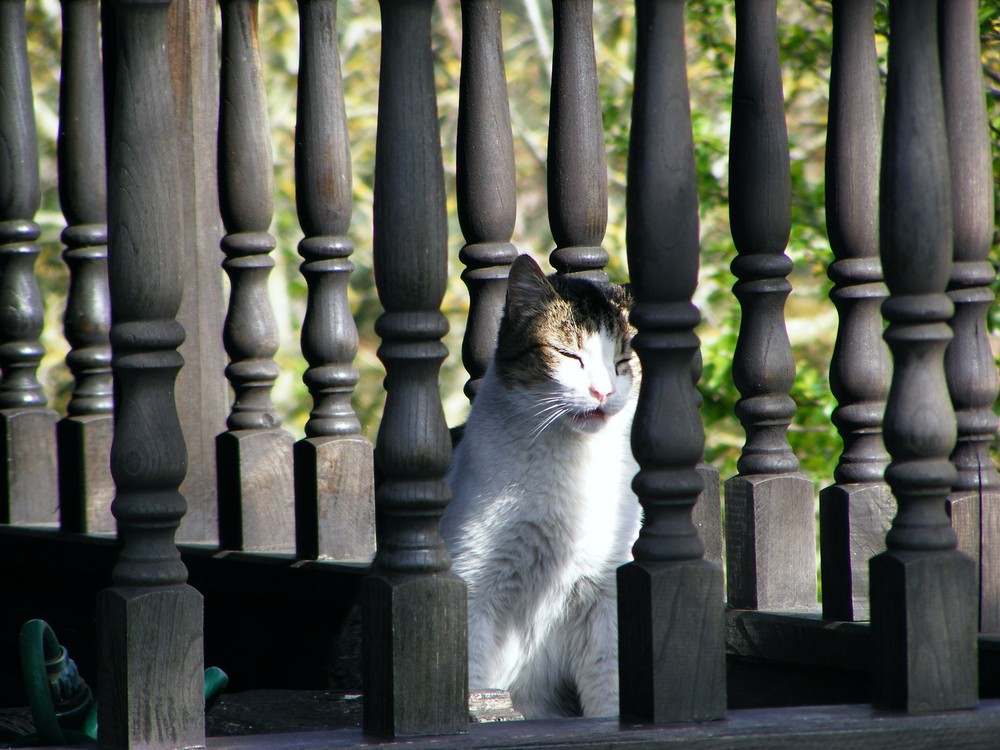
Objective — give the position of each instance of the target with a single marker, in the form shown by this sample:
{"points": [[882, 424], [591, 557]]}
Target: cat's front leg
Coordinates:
{"points": [[594, 662]]}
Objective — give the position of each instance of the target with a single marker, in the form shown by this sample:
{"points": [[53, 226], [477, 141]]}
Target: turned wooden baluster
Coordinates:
{"points": [[150, 621], [254, 455], [923, 591], [854, 513], [84, 435], [969, 363], [670, 600], [28, 491], [770, 536], [486, 198], [334, 480], [415, 664], [577, 166]]}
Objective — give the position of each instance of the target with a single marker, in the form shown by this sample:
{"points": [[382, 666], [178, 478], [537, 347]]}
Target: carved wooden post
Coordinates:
{"points": [[923, 597], [84, 436], [415, 647], [254, 455], [770, 537], [334, 479], [969, 364], [577, 166], [150, 621], [486, 199], [854, 513], [28, 492], [670, 600]]}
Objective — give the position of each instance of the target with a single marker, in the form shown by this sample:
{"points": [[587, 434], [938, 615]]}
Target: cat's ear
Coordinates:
{"points": [[528, 291]]}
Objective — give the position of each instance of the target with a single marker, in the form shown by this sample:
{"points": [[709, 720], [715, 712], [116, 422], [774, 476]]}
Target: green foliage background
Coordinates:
{"points": [[805, 39]]}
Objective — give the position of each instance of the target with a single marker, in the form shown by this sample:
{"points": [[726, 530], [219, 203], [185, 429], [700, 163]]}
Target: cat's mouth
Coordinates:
{"points": [[591, 419]]}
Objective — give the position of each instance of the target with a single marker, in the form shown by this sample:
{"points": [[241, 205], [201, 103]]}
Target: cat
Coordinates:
{"points": [[542, 511]]}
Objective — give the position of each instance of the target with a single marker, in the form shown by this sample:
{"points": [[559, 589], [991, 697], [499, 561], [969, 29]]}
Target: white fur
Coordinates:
{"points": [[542, 515]]}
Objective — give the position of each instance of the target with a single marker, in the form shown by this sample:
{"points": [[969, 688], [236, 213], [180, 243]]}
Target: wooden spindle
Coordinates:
{"points": [[969, 363], [577, 166], [256, 483], [84, 435], [923, 592], [334, 476], [486, 199], [415, 634], [854, 513], [670, 600], [150, 621], [770, 536], [28, 479]]}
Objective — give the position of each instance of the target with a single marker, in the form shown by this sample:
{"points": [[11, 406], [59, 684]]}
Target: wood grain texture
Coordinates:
{"points": [[671, 615], [256, 490], [760, 218], [671, 659], [334, 472], [770, 542], [415, 644], [707, 515], [29, 491], [202, 395], [923, 592], [334, 499], [853, 521], [969, 364], [150, 622], [27, 436], [485, 182], [151, 682]]}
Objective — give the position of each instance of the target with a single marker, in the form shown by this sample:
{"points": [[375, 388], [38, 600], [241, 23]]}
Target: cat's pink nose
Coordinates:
{"points": [[601, 394]]}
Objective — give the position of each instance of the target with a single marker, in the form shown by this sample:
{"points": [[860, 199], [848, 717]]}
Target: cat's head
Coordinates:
{"points": [[566, 343]]}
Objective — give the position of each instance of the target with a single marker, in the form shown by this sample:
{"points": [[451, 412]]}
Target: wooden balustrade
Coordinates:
{"points": [[334, 480], [485, 183], [770, 536], [670, 669], [969, 363], [855, 512], [256, 483], [414, 610], [926, 212], [577, 166], [923, 591], [28, 479], [150, 621], [84, 434]]}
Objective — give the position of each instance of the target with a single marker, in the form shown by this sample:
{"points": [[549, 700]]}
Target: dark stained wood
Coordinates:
{"points": [[334, 474], [84, 435], [254, 456], [670, 600], [923, 591], [414, 633], [485, 183], [856, 511], [149, 621], [202, 393], [769, 505], [969, 364], [577, 164], [833, 727], [28, 491]]}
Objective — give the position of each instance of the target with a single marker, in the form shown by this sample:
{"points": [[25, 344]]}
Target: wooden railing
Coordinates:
{"points": [[291, 517]]}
